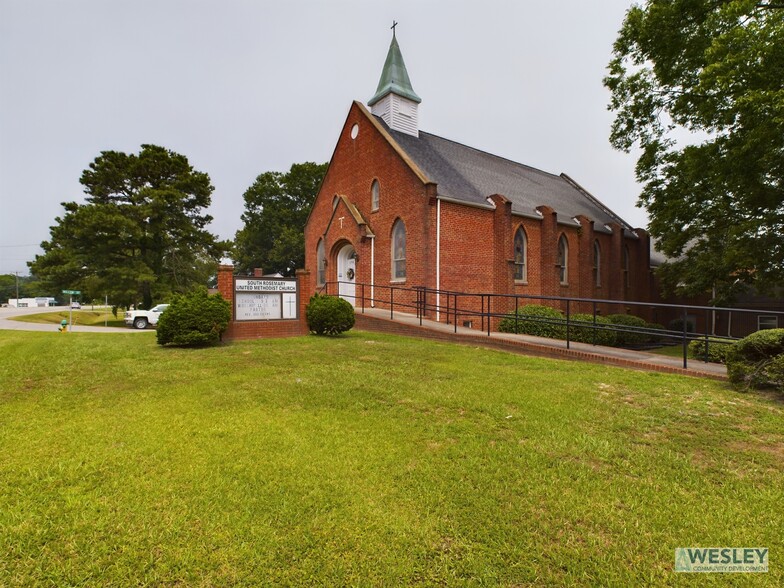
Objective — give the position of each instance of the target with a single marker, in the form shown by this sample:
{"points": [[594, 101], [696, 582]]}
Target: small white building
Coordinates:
{"points": [[40, 302]]}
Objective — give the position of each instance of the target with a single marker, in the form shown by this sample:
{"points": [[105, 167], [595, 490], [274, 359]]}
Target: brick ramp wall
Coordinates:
{"points": [[380, 325]]}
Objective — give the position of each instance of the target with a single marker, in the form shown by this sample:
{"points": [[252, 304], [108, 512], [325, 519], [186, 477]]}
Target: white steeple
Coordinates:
{"points": [[395, 100]]}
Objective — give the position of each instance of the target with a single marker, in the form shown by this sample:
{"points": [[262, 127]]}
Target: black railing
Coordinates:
{"points": [[487, 307]]}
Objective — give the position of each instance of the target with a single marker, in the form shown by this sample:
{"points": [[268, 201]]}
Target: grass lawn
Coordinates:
{"points": [[370, 460], [84, 316]]}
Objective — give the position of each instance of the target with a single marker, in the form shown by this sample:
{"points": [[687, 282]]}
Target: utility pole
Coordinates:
{"points": [[17, 288]]}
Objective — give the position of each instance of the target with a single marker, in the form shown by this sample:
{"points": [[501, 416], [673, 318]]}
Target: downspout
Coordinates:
{"points": [[438, 260], [372, 272]]}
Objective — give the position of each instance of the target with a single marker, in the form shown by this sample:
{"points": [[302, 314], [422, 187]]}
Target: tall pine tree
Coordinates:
{"points": [[141, 234]]}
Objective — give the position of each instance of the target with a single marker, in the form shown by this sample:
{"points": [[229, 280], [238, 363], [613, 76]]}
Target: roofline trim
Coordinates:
{"points": [[394, 144], [464, 202], [355, 214], [526, 215], [597, 202], [360, 220]]}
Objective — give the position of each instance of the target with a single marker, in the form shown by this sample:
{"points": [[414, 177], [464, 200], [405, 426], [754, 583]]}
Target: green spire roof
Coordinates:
{"points": [[394, 78]]}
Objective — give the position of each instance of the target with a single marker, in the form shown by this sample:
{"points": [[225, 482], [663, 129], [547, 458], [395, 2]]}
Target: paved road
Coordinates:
{"points": [[7, 313]]}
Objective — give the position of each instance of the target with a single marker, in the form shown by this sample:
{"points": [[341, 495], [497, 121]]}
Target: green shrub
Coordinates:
{"points": [[718, 349], [536, 320], [775, 371], [582, 329], [758, 360], [329, 315], [632, 325], [655, 337], [677, 325], [196, 319]]}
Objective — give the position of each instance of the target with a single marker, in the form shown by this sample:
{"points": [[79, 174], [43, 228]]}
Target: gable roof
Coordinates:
{"points": [[465, 174], [360, 221]]}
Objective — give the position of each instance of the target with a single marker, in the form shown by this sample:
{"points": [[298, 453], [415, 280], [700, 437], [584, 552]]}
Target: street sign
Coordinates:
{"points": [[72, 292]]}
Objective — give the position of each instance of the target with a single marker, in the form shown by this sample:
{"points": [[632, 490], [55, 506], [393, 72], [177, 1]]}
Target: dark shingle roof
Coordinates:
{"points": [[470, 175]]}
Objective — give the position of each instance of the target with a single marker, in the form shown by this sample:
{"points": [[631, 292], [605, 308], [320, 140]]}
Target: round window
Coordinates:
{"points": [[354, 131]]}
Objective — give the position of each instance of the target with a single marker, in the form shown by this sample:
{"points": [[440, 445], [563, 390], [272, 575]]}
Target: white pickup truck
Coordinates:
{"points": [[139, 319]]}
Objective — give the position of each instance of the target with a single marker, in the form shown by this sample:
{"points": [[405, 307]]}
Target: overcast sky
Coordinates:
{"points": [[241, 87]]}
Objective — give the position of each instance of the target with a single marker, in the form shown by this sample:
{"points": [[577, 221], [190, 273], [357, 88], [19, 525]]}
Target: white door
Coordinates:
{"points": [[347, 269]]}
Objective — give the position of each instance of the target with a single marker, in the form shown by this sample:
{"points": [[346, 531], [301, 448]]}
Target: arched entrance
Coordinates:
{"points": [[347, 270]]}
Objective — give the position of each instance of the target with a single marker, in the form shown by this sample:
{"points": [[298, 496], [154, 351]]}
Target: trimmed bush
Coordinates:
{"points": [[536, 320], [775, 371], [544, 321], [654, 336], [196, 319], [329, 315], [631, 324], [582, 329], [758, 360], [718, 349], [677, 325]]}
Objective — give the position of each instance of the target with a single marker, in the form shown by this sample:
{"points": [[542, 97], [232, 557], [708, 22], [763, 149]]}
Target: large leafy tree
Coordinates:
{"points": [[276, 209], [141, 234], [698, 87]]}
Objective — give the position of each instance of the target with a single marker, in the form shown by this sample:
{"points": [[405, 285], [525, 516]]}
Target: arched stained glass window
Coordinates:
{"points": [[374, 195], [399, 250], [597, 264], [520, 256], [563, 260], [322, 263]]}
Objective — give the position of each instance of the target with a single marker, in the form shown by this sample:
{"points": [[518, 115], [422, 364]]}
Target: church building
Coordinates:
{"points": [[403, 208]]}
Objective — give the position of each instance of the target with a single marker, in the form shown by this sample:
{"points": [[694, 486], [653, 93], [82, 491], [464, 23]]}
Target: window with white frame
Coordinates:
{"points": [[322, 263], [374, 195], [520, 256], [399, 250], [563, 260], [767, 322]]}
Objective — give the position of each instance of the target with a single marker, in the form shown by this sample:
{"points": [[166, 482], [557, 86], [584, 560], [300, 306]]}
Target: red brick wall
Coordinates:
{"points": [[533, 231], [354, 165], [467, 248]]}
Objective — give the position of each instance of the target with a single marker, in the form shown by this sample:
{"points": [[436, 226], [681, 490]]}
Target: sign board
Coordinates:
{"points": [[72, 292], [265, 299]]}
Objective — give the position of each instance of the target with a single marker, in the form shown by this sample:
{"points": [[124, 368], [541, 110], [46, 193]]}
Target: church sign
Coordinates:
{"points": [[265, 299]]}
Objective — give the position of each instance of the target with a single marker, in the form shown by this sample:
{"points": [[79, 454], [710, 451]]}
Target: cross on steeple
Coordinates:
{"points": [[394, 24]]}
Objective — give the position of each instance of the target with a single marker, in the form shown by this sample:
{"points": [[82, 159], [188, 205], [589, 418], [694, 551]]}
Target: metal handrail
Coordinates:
{"points": [[452, 310]]}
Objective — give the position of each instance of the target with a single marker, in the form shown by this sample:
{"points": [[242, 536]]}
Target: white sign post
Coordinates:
{"points": [[70, 306]]}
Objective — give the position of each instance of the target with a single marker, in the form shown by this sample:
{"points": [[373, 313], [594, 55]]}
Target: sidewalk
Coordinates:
{"points": [[379, 320]]}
